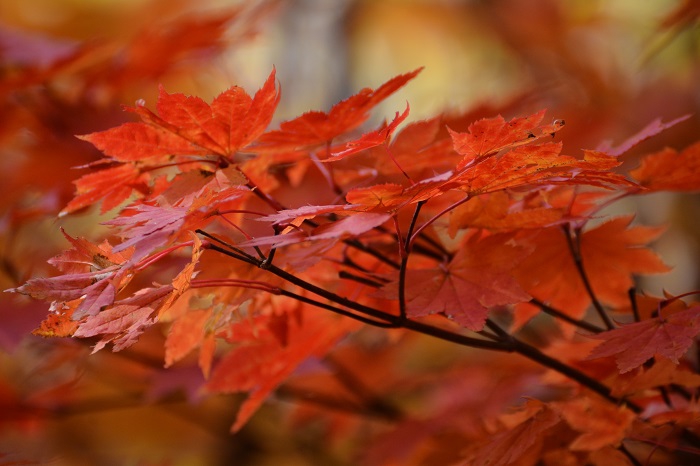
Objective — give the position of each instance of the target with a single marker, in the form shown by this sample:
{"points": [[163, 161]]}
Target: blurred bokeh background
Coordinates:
{"points": [[607, 67]]}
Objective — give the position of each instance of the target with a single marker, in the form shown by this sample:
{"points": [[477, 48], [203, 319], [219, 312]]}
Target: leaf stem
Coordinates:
{"points": [[438, 215], [148, 261]]}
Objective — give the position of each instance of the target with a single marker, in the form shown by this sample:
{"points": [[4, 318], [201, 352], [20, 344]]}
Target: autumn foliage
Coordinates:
{"points": [[303, 259]]}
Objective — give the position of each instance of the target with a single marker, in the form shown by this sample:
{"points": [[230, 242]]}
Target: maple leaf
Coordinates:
{"points": [[298, 215], [497, 211], [599, 424], [381, 197], [148, 226], [368, 140], [521, 167], [662, 373], [188, 126], [317, 128], [261, 364], [632, 345], [114, 185], [490, 135], [390, 197], [186, 333], [477, 278], [417, 147], [92, 274], [124, 322], [533, 165], [667, 170], [92, 277], [517, 442], [188, 133], [60, 322], [611, 253], [85, 256]]}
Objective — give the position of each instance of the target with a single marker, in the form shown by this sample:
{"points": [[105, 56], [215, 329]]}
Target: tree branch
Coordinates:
{"points": [[575, 248]]}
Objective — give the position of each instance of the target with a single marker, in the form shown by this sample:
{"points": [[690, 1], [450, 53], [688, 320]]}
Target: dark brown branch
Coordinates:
{"points": [[575, 248], [405, 244], [560, 315]]}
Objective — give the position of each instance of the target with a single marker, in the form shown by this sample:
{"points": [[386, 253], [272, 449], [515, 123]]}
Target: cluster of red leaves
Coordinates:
{"points": [[431, 230]]}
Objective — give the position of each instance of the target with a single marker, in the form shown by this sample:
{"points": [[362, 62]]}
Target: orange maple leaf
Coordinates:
{"points": [[369, 140], [499, 212], [523, 440], [611, 253], [317, 128], [491, 135], [598, 423], [260, 364], [668, 170], [186, 333], [533, 165]]}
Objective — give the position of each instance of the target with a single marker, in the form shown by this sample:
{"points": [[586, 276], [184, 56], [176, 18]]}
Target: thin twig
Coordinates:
{"points": [[437, 216], [560, 315], [575, 248], [406, 251]]}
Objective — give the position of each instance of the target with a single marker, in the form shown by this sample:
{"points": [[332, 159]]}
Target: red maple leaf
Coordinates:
{"points": [[390, 197], [124, 322], [188, 133], [368, 140], [85, 256], [189, 126], [632, 345], [522, 167], [92, 277], [186, 334], [317, 128], [598, 423], [499, 212], [419, 148], [478, 277], [148, 226]]}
